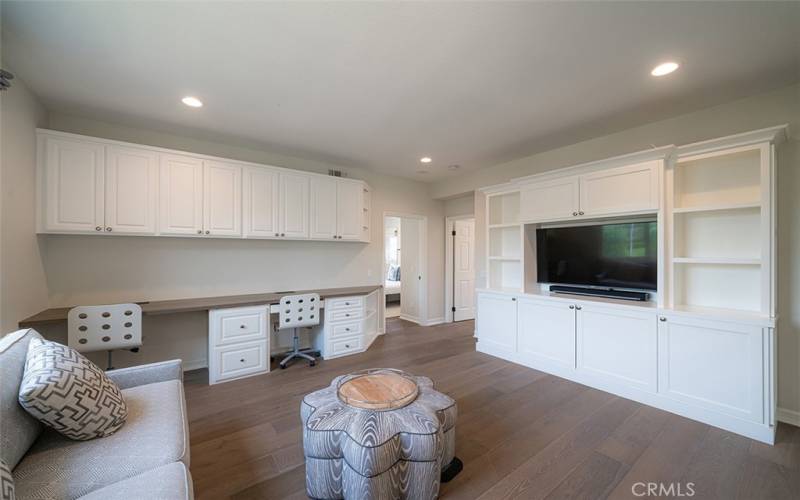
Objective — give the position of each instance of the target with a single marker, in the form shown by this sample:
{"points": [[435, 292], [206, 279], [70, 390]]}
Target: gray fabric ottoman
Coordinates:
{"points": [[356, 453]]}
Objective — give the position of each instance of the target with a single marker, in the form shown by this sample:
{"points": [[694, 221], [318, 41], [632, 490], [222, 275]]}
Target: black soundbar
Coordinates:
{"points": [[601, 292]]}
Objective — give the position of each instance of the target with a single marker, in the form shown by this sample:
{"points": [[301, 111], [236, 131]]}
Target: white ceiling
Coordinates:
{"points": [[378, 85]]}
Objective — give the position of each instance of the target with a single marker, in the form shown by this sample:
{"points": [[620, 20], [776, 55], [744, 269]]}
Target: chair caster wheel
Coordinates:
{"points": [[283, 367], [312, 363]]}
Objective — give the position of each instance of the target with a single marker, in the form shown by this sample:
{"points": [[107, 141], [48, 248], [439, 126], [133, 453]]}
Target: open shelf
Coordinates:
{"points": [[504, 226], [718, 261], [504, 209], [722, 286], [718, 207], [505, 242], [498, 257], [505, 274], [720, 179]]}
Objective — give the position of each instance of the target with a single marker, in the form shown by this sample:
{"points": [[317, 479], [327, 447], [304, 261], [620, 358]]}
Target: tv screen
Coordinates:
{"points": [[619, 255]]}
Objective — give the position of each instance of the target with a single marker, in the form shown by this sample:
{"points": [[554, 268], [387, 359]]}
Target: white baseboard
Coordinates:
{"points": [[406, 317], [788, 416], [433, 321], [195, 364]]}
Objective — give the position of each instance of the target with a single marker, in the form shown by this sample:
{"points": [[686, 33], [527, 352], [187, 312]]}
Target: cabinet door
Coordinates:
{"points": [[261, 203], [546, 332], [497, 322], [549, 200], [131, 184], [349, 210], [323, 208], [293, 206], [181, 193], [713, 365], [73, 185], [618, 345], [633, 188], [222, 199]]}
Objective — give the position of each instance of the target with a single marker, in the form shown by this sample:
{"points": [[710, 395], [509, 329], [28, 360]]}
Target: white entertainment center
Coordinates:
{"points": [[704, 345]]}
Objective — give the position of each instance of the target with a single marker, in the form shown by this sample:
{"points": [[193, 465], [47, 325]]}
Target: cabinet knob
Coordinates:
{"points": [[347, 346], [98, 228], [574, 214], [199, 231], [580, 213], [241, 360], [571, 307], [347, 315], [347, 329], [578, 308], [514, 299], [109, 229], [208, 232], [242, 326], [283, 234], [277, 234], [662, 318], [334, 236]]}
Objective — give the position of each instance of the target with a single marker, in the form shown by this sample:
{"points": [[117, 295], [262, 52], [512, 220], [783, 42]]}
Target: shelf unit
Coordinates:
{"points": [[504, 241], [721, 220]]}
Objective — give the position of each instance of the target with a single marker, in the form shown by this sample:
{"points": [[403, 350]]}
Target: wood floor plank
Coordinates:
{"points": [[521, 433]]}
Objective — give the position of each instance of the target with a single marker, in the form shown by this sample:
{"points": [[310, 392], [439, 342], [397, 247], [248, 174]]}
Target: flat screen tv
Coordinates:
{"points": [[620, 255]]}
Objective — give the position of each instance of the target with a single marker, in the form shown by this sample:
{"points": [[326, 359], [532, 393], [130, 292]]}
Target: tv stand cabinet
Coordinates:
{"points": [[704, 346]]}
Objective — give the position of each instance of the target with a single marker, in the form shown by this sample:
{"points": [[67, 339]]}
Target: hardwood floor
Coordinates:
{"points": [[520, 433]]}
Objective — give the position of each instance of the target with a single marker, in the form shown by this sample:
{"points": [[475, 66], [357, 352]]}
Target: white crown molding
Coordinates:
{"points": [[774, 135]]}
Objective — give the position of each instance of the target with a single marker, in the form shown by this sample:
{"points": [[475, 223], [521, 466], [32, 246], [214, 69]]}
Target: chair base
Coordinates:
{"points": [[296, 352]]}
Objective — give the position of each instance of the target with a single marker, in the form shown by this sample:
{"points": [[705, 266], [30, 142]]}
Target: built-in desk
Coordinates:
{"points": [[59, 314]]}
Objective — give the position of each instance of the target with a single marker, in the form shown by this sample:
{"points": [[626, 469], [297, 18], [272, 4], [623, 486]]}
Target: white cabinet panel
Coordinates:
{"points": [[294, 206], [73, 185], [131, 184], [631, 188], [181, 193], [222, 199], [497, 321], [261, 203], [715, 365], [546, 331], [237, 361], [349, 210], [557, 199], [323, 208], [236, 325], [618, 345]]}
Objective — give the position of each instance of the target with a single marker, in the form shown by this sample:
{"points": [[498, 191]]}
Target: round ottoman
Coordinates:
{"points": [[378, 433]]}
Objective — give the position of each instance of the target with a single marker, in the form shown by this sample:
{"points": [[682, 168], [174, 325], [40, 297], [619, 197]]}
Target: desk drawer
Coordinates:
{"points": [[238, 361], [346, 346], [345, 315], [344, 303], [346, 329], [233, 326]]}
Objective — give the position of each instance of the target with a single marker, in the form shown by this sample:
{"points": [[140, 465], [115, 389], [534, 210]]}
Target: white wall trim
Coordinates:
{"points": [[433, 321], [788, 416], [423, 261], [448, 263]]}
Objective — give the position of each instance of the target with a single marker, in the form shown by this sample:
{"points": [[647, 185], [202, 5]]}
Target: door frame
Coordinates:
{"points": [[448, 262], [423, 261]]}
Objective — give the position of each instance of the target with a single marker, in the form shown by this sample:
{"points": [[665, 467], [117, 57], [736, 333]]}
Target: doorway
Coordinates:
{"points": [[404, 244], [460, 268]]}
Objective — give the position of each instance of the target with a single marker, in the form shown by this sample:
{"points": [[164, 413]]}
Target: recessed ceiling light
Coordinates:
{"points": [[425, 159], [193, 102], [664, 68]]}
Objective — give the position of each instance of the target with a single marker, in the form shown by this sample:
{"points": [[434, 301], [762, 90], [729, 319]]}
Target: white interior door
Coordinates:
{"points": [[464, 270], [410, 271], [131, 186], [222, 199]]}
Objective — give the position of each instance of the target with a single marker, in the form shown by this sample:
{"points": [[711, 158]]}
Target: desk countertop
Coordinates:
{"points": [[59, 314]]}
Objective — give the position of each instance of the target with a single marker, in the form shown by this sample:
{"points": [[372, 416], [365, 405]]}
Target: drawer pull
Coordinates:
{"points": [[572, 307], [347, 303], [347, 346], [241, 360], [347, 329], [662, 318]]}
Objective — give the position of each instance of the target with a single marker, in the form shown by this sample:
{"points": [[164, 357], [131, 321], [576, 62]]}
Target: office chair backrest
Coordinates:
{"points": [[299, 310], [104, 328]]}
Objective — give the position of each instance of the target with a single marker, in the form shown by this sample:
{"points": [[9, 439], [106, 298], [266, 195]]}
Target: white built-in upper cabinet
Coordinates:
{"points": [[222, 199], [96, 186], [181, 207], [621, 190]]}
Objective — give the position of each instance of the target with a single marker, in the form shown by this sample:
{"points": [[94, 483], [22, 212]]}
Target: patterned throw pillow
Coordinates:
{"points": [[6, 482], [69, 393]]}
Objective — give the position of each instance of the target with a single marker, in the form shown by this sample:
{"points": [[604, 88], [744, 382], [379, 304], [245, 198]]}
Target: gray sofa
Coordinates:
{"points": [[147, 459]]}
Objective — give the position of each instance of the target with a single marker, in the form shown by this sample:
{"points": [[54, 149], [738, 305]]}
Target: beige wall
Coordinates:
{"points": [[87, 270], [22, 282], [462, 205], [765, 110]]}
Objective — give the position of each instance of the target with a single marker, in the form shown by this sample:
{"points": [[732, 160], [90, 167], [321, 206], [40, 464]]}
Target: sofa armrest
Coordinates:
{"points": [[147, 374]]}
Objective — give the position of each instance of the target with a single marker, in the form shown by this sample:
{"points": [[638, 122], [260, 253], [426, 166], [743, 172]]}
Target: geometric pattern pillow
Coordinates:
{"points": [[69, 393], [6, 483]]}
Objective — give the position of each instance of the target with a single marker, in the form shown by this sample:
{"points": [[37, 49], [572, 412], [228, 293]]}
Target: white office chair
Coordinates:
{"points": [[105, 328], [298, 311]]}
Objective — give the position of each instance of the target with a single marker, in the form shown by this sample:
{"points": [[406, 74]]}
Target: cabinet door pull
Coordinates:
{"points": [[580, 213], [283, 234], [199, 231], [514, 299], [578, 308], [277, 234], [574, 214], [242, 326], [98, 228], [208, 232], [571, 306], [662, 318]]}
